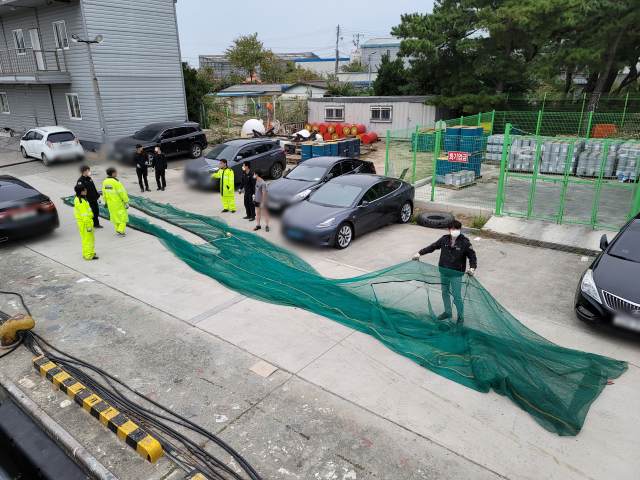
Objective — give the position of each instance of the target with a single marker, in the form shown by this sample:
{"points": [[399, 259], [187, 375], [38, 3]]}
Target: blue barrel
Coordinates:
{"points": [[349, 152], [342, 148], [305, 149], [327, 149], [317, 150], [452, 139], [356, 147], [443, 167], [469, 140], [334, 149]]}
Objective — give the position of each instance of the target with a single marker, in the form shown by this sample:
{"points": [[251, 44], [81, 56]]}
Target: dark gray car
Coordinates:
{"points": [[297, 184], [348, 206], [264, 154]]}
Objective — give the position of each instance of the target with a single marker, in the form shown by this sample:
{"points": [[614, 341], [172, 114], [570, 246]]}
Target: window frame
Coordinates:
{"points": [[380, 109], [333, 118], [4, 99], [377, 187], [71, 114], [250, 148], [22, 50], [173, 135], [66, 35], [266, 146]]}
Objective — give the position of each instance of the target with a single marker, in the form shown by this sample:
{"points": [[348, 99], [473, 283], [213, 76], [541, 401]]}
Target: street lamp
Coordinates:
{"points": [[76, 38]]}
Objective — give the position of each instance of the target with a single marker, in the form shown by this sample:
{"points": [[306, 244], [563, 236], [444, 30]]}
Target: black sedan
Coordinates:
{"points": [[24, 211], [297, 184], [263, 154], [347, 206], [608, 294]]}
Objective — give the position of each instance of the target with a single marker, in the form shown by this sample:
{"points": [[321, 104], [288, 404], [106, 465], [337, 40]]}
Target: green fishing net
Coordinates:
{"points": [[400, 306]]}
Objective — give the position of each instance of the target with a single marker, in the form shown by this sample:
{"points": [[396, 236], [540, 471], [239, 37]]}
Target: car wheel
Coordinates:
{"points": [[196, 150], [24, 152], [46, 160], [435, 219], [405, 212], [344, 236], [276, 171]]}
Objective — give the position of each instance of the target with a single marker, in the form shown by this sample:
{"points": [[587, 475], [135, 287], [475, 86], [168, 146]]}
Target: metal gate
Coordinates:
{"points": [[586, 181], [35, 106]]}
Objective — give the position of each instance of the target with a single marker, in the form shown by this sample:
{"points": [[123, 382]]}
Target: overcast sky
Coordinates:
{"points": [[207, 27]]}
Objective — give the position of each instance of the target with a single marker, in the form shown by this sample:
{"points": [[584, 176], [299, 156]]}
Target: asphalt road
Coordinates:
{"points": [[341, 405]]}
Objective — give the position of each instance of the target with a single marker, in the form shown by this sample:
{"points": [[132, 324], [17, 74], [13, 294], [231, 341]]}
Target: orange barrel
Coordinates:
{"points": [[365, 138], [359, 136], [327, 136], [330, 128], [361, 129], [373, 136], [335, 136], [307, 127], [341, 135], [314, 127], [337, 127], [322, 128], [354, 129], [346, 129]]}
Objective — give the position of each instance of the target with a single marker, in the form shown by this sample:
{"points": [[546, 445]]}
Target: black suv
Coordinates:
{"points": [[175, 138], [266, 155]]}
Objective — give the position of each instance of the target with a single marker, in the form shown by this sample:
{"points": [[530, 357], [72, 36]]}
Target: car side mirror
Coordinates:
{"points": [[604, 243], [364, 204]]}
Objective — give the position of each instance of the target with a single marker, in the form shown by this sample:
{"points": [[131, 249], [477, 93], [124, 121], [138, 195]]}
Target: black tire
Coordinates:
{"points": [[344, 236], [405, 212], [276, 171], [24, 152], [46, 161], [435, 219], [196, 150]]}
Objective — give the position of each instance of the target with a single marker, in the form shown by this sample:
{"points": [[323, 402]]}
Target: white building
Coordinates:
{"points": [[322, 66], [372, 50]]}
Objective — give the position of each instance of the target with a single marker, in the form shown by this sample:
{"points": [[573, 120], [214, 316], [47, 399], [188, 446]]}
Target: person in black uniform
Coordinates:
{"points": [[140, 160], [92, 194], [454, 248], [248, 184], [159, 163]]}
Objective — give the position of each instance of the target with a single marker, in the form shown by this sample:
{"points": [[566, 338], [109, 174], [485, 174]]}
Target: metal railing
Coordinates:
{"points": [[28, 60]]}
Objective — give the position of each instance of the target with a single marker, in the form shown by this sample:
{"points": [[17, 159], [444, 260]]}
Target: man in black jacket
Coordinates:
{"points": [[248, 184], [92, 194], [454, 248], [140, 160], [159, 163]]}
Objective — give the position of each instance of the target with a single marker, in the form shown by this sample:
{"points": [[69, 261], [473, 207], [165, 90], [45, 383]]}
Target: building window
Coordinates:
{"points": [[381, 114], [334, 113], [60, 34], [389, 54], [4, 103], [74, 106], [18, 41]]}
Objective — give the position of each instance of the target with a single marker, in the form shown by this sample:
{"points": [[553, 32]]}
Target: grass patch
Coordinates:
{"points": [[478, 221], [413, 219], [171, 470]]}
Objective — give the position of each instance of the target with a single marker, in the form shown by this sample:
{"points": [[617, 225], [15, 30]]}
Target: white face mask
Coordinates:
{"points": [[455, 233]]}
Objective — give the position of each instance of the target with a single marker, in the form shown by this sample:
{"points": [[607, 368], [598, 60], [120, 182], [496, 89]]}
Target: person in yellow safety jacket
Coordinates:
{"points": [[227, 187], [84, 217], [116, 199]]}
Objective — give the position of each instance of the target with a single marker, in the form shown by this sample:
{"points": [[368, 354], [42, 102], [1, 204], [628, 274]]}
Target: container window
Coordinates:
{"points": [[73, 104], [4, 103], [381, 114], [60, 34], [334, 113]]}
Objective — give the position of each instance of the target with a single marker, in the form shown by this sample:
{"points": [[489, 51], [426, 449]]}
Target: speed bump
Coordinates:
{"points": [[196, 475], [134, 436]]}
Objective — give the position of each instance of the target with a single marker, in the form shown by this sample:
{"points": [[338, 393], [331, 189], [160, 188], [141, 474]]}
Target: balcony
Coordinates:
{"points": [[29, 66]]}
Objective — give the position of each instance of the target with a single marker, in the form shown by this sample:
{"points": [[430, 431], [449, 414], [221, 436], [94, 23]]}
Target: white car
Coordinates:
{"points": [[51, 144]]}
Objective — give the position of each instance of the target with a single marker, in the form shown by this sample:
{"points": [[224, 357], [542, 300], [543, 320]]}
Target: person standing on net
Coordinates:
{"points": [[227, 187], [159, 164], [454, 248], [260, 199], [92, 194], [248, 184], [116, 200], [142, 170], [84, 217]]}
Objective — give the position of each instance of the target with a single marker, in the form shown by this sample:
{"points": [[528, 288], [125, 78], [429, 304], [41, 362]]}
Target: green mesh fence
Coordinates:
{"points": [[399, 306]]}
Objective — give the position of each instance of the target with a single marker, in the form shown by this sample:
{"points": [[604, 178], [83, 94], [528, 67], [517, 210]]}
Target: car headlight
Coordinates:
{"points": [[302, 195], [326, 223], [588, 286]]}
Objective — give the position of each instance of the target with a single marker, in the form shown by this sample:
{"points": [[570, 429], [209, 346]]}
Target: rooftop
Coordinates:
{"points": [[378, 42]]}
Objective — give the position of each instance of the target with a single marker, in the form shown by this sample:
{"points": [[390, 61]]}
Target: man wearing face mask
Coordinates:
{"points": [[159, 164], [454, 248]]}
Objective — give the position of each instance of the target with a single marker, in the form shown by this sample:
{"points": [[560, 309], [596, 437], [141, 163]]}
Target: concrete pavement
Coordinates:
{"points": [[341, 405]]}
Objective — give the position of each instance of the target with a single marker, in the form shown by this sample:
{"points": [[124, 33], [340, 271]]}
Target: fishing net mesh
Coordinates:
{"points": [[400, 306]]}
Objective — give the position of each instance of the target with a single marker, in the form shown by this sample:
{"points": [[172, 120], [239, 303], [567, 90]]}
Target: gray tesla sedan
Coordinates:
{"points": [[348, 206]]}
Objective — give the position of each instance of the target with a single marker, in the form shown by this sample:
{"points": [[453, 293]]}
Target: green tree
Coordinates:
{"points": [[197, 86], [392, 77], [295, 73], [272, 69], [246, 54], [354, 67], [339, 89]]}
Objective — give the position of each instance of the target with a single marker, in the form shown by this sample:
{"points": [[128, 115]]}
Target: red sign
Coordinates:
{"points": [[458, 157]]}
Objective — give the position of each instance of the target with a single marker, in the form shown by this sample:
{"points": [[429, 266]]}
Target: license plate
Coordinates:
{"points": [[192, 181], [294, 234], [24, 215], [627, 322], [62, 145]]}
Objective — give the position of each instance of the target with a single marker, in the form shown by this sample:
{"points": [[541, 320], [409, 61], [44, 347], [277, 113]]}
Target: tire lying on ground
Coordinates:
{"points": [[435, 219]]}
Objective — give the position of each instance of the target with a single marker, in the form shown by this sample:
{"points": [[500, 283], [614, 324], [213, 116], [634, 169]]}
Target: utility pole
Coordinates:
{"points": [[357, 42], [369, 71], [337, 53]]}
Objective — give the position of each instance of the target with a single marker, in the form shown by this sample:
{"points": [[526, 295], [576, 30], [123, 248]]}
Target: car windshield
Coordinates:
{"points": [[627, 245], [222, 152], [308, 173], [336, 195], [147, 134], [60, 137]]}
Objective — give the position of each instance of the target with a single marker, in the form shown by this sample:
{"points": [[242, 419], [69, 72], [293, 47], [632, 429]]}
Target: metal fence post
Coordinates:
{"points": [[534, 177], [589, 125], [565, 181], [415, 155], [584, 99], [539, 120], [493, 116], [228, 128], [461, 119], [505, 149], [436, 152], [624, 112], [594, 211], [386, 156], [544, 100]]}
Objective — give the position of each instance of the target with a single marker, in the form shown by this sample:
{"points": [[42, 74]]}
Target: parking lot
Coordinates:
{"points": [[341, 405]]}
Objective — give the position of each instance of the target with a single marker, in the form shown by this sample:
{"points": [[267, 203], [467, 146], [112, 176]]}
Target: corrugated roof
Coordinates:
{"points": [[254, 87], [381, 41]]}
